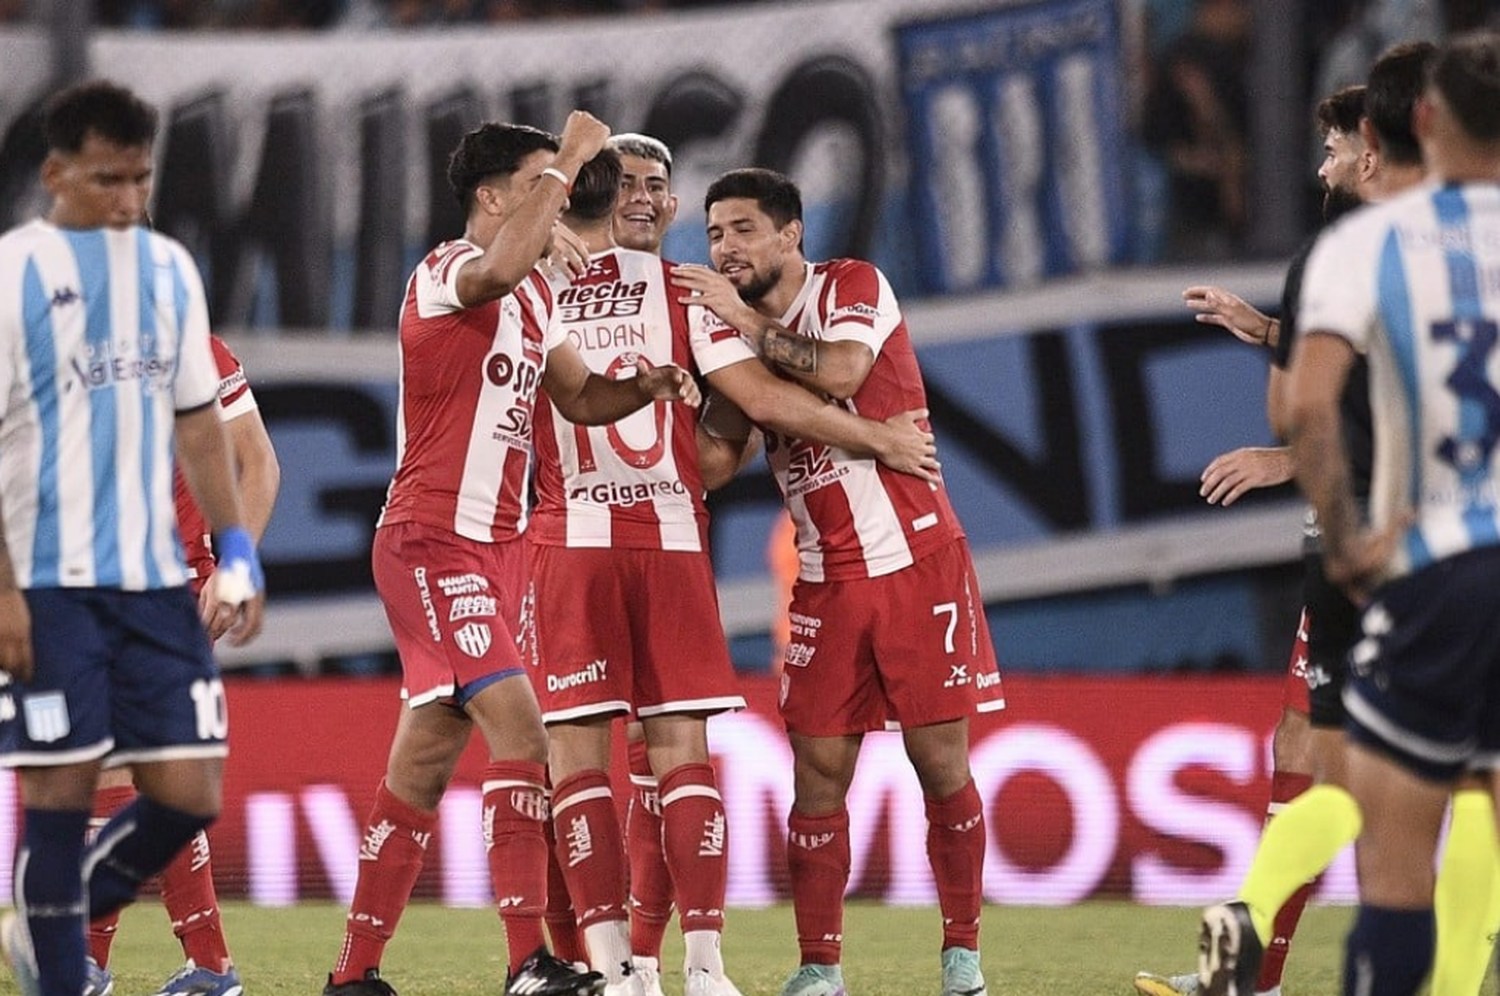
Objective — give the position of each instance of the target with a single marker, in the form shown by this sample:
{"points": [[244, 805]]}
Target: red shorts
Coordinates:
{"points": [[623, 630], [911, 648], [454, 605], [1295, 696]]}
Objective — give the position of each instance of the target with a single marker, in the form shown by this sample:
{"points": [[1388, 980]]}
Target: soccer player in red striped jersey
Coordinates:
{"points": [[187, 884], [449, 559], [644, 211], [888, 625], [619, 537]]}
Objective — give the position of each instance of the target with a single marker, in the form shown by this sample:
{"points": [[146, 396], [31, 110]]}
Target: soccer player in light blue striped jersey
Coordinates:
{"points": [[105, 374], [1414, 283]]}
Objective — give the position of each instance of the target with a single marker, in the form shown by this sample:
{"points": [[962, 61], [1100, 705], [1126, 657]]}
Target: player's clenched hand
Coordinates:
{"points": [[668, 382], [217, 616], [582, 137], [230, 611], [1230, 475], [236, 588], [1217, 306], [910, 446], [15, 635]]}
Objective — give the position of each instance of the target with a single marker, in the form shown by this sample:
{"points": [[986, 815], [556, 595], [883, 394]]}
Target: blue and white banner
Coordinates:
{"points": [[1015, 137]]}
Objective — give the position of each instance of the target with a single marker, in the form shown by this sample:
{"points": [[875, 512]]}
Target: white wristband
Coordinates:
{"points": [[560, 177]]}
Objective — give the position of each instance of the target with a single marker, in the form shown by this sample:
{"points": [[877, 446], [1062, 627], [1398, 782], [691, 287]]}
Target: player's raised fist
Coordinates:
{"points": [[583, 136]]}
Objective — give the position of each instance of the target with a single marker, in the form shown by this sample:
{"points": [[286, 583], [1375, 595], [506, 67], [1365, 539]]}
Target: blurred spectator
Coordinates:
{"points": [[1371, 27], [1195, 121], [263, 15]]}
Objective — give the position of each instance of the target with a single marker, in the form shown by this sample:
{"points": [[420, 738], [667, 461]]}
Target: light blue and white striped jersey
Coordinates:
{"points": [[1415, 283], [103, 338]]}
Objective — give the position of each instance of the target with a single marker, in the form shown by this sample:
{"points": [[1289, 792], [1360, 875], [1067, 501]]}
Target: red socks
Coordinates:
{"points": [[107, 802], [590, 848], [817, 853], [187, 891], [390, 858], [515, 809], [1285, 786], [694, 840], [955, 849], [650, 882], [562, 921]]}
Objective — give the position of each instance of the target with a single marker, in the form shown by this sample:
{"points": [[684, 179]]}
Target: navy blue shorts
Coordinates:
{"points": [[1424, 680], [123, 675]]}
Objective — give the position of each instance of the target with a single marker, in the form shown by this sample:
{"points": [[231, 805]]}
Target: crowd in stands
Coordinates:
{"points": [[281, 15], [1188, 74]]}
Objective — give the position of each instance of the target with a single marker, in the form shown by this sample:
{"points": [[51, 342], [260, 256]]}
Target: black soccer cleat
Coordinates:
{"points": [[371, 985], [1229, 951], [541, 974]]}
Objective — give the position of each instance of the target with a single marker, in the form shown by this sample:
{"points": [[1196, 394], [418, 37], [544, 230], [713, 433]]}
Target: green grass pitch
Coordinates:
{"points": [[1093, 948]]}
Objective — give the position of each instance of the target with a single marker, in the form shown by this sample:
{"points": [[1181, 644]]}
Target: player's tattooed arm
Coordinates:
{"points": [[837, 368], [794, 353]]}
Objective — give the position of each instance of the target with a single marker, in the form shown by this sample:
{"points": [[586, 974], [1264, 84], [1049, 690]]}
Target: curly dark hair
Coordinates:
{"points": [[1341, 111], [773, 192], [107, 109], [492, 150]]}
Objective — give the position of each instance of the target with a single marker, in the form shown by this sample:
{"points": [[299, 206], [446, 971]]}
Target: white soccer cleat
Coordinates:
{"points": [[648, 970], [701, 982]]}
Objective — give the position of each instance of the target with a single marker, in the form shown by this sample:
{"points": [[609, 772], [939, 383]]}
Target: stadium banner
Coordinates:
{"points": [[1148, 789], [1015, 133], [306, 172]]}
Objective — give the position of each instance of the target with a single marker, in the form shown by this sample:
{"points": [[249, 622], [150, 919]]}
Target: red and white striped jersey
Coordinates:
{"points": [[235, 399], [634, 484], [855, 517], [469, 378]]}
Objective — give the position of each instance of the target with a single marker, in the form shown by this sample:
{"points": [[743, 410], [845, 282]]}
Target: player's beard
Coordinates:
{"points": [[1337, 202], [759, 286]]}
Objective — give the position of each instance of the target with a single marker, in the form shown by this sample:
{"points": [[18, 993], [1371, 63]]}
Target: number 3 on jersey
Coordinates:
{"points": [[1479, 415], [640, 459]]}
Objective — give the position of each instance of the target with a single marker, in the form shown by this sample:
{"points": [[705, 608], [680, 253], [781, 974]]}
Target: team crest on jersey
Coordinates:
{"points": [[473, 638], [46, 717]]}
